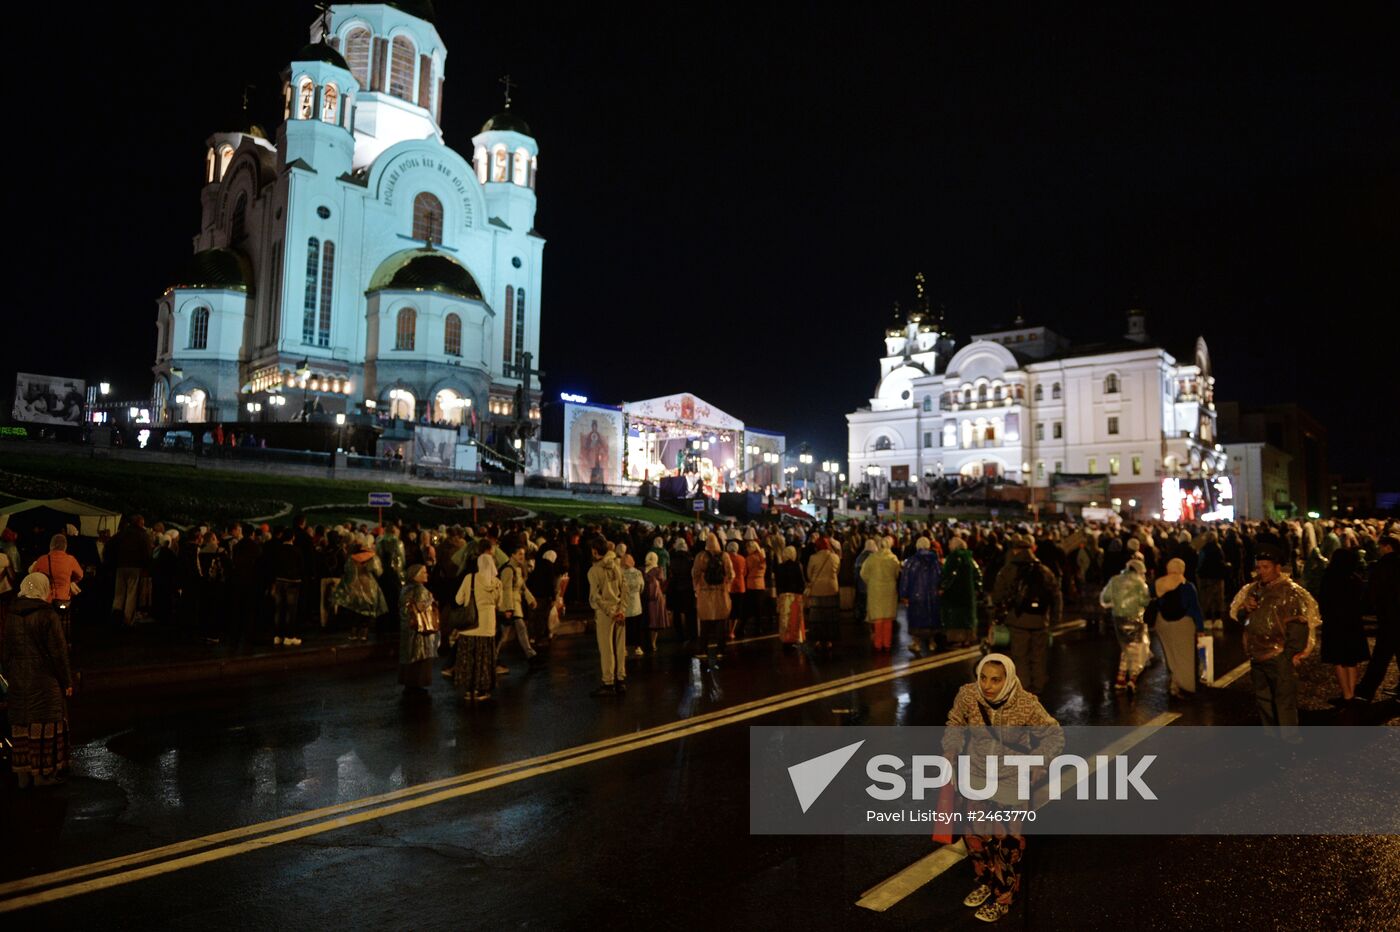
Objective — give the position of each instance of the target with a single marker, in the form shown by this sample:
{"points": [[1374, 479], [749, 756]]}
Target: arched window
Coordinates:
{"points": [[982, 392], [506, 344], [928, 402], [330, 101], [427, 217], [452, 336], [323, 327], [1055, 392], [270, 322], [519, 324], [357, 44], [209, 163], [308, 308], [500, 164], [1110, 384], [479, 160], [406, 331], [306, 99], [238, 225], [401, 68], [225, 156], [199, 328], [1040, 393], [534, 167], [883, 443], [521, 171]]}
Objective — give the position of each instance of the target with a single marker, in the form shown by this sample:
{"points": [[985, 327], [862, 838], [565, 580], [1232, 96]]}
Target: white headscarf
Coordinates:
{"points": [[1008, 689], [35, 586]]}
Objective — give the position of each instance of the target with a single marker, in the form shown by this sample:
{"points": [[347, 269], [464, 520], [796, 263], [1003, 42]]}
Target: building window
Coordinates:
{"points": [[1093, 465], [928, 439], [427, 218], [1110, 384], [323, 329], [1137, 465], [928, 402], [506, 344], [308, 314], [238, 223], [883, 443], [950, 434], [306, 99], [982, 392], [521, 171], [1055, 392], [1040, 393], [406, 329], [1040, 430], [452, 336], [1113, 425], [401, 68], [1059, 466], [989, 434], [357, 43], [1059, 430], [500, 164], [479, 162], [519, 325], [275, 305], [1113, 465], [1040, 469], [199, 328]]}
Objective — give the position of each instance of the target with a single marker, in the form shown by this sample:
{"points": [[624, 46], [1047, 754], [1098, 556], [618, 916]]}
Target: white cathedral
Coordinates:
{"points": [[358, 263], [1023, 404]]}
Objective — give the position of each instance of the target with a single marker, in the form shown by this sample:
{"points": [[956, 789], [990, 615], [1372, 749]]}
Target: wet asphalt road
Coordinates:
{"points": [[654, 836]]}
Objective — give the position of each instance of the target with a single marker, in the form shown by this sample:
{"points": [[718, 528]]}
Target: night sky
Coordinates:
{"points": [[734, 200]]}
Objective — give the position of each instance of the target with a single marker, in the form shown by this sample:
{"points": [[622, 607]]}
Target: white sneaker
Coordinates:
{"points": [[276, 641]]}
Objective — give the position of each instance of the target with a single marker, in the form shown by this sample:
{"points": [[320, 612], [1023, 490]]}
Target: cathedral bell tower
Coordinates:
{"points": [[506, 158], [319, 95]]}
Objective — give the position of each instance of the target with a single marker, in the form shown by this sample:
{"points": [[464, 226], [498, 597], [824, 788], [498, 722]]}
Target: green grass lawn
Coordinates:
{"points": [[184, 495]]}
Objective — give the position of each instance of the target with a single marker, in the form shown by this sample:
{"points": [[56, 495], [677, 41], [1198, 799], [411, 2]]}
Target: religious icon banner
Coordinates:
{"points": [[593, 437]]}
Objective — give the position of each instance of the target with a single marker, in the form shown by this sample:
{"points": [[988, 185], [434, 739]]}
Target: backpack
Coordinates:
{"points": [[1032, 591], [714, 570]]}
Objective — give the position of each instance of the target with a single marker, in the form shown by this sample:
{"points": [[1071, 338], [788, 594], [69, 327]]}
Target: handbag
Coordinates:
{"points": [[949, 802], [462, 618]]}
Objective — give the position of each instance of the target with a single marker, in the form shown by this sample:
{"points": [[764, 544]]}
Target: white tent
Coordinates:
{"points": [[90, 519]]}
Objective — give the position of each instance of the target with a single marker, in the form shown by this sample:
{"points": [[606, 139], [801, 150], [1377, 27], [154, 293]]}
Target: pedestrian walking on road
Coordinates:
{"points": [[823, 594], [1179, 620], [996, 700], [958, 593], [1126, 597], [516, 603], [680, 595], [880, 574], [35, 658], [1342, 602], [418, 630], [1383, 594], [1030, 595], [792, 626], [474, 672], [918, 590], [607, 595], [358, 597], [711, 576], [1281, 620], [633, 582]]}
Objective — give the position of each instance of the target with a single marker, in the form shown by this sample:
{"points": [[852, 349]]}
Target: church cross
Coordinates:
{"points": [[510, 85], [324, 8]]}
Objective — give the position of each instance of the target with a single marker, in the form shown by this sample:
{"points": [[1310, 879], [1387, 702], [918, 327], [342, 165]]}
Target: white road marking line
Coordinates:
{"points": [[448, 788], [890, 891], [1230, 677]]}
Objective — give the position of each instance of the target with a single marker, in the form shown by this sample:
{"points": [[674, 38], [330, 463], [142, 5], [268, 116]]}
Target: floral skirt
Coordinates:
{"points": [[475, 669], [40, 749]]}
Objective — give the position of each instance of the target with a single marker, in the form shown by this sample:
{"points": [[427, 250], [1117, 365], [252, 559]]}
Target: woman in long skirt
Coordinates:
{"points": [[418, 636], [655, 597], [823, 593], [474, 673], [1179, 620], [1342, 604], [792, 626], [36, 663]]}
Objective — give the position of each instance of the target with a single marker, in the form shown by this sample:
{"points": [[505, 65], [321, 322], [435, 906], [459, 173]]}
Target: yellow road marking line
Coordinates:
{"points": [[1233, 675], [892, 890], [683, 729]]}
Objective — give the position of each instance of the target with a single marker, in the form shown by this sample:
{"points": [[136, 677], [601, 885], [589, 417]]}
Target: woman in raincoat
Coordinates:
{"points": [[358, 594], [418, 630], [918, 589], [958, 593], [880, 573], [1126, 597]]}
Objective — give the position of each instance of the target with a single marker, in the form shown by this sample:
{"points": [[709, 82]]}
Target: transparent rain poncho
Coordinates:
{"points": [[1283, 605], [1127, 597]]}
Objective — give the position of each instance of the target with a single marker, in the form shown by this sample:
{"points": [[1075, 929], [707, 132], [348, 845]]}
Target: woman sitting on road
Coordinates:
{"points": [[996, 700]]}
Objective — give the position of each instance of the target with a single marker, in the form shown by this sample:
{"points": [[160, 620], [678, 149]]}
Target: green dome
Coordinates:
{"points": [[216, 268], [424, 270], [506, 122], [320, 51], [423, 9]]}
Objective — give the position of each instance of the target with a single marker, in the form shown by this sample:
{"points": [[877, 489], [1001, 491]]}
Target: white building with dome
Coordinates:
{"points": [[1023, 404], [357, 262]]}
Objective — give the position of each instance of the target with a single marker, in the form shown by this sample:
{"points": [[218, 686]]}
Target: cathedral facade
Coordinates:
{"points": [[1023, 405], [357, 263]]}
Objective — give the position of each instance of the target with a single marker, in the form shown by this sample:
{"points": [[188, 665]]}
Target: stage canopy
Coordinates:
{"points": [[89, 518]]}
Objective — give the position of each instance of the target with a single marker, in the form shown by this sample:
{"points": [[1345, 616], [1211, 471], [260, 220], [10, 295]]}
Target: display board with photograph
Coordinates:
{"points": [[48, 399]]}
